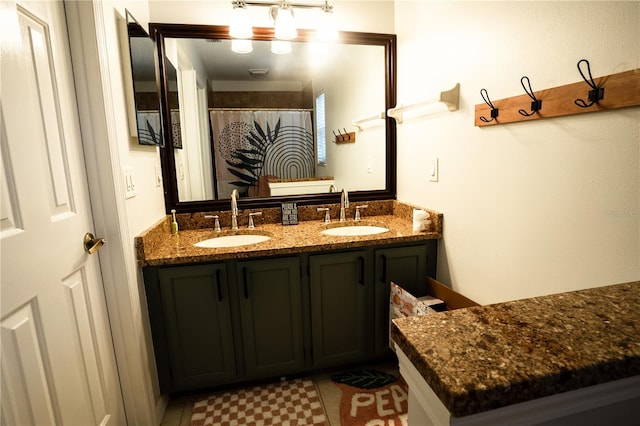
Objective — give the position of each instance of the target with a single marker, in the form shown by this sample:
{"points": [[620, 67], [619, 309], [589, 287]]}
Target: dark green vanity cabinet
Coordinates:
{"points": [[240, 320], [270, 303], [341, 307], [197, 328], [209, 330]]}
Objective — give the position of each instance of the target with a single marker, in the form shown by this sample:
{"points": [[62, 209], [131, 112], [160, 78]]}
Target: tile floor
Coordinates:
{"points": [[178, 411]]}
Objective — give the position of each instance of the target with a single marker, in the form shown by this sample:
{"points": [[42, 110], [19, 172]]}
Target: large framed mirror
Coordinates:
{"points": [[273, 126]]}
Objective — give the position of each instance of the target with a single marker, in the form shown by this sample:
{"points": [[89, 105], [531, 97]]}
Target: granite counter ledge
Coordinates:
{"points": [[487, 357], [157, 246]]}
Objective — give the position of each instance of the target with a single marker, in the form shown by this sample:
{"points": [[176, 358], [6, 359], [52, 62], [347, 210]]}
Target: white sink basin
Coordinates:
{"points": [[355, 230], [232, 241]]}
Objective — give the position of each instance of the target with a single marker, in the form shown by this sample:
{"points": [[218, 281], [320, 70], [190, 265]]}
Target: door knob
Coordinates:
{"points": [[92, 244]]}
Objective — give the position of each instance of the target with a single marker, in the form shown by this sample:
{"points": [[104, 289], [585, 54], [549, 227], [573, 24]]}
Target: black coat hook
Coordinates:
{"points": [[596, 93], [494, 110], [347, 134], [536, 104]]}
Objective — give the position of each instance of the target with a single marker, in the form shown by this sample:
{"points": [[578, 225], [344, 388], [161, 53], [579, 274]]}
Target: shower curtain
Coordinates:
{"points": [[252, 145]]}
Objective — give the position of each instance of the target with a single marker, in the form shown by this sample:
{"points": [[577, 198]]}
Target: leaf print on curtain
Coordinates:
{"points": [[148, 123], [252, 145]]}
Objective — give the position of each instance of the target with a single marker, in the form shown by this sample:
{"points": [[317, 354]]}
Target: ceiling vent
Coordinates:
{"points": [[258, 72]]}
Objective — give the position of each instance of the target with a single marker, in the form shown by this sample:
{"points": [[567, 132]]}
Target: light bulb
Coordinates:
{"points": [[285, 26], [240, 21], [241, 46], [327, 31], [280, 47]]}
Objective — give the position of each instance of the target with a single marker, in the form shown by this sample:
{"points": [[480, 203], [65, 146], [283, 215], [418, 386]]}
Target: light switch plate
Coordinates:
{"points": [[158, 176], [434, 172], [129, 186]]}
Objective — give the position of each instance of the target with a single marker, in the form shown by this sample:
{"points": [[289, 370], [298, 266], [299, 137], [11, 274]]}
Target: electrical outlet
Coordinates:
{"points": [[434, 171]]}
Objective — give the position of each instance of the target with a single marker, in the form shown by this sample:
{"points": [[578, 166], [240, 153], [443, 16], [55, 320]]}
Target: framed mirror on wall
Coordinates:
{"points": [[145, 120], [261, 121]]}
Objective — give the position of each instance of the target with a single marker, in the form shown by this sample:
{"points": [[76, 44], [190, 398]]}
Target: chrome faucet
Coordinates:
{"points": [[332, 188], [234, 209], [344, 204]]}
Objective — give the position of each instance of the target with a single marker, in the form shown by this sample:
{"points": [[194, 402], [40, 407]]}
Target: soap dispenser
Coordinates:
{"points": [[174, 223]]}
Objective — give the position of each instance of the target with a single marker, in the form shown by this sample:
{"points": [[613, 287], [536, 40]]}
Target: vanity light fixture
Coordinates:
{"points": [[327, 31], [284, 24], [240, 26], [281, 13]]}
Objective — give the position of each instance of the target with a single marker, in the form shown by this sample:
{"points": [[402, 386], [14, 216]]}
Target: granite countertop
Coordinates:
{"points": [[157, 246], [486, 357]]}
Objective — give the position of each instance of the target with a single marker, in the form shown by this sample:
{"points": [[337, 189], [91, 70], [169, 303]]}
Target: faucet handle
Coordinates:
{"points": [[357, 218], [251, 215], [327, 216], [216, 226]]}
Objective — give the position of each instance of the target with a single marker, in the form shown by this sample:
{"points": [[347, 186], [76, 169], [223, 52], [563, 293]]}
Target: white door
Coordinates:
{"points": [[58, 364]]}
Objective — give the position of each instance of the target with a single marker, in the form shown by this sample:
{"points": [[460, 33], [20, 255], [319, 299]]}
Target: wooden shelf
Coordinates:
{"points": [[621, 90]]}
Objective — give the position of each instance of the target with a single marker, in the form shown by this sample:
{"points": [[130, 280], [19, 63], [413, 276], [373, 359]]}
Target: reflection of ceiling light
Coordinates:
{"points": [[317, 54], [258, 71], [327, 31], [285, 26], [241, 46], [280, 47], [240, 21]]}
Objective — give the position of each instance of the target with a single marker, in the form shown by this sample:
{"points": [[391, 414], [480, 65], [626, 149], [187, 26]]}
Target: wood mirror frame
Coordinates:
{"points": [[161, 31]]}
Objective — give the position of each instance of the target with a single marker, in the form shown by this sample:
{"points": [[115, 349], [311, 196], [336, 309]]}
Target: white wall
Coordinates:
{"points": [[147, 206], [529, 208]]}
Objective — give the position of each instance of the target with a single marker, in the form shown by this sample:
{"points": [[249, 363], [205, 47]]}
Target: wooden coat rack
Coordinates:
{"points": [[349, 137], [613, 91], [346, 137]]}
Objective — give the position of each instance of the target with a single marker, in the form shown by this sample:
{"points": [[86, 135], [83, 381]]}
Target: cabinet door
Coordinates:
{"points": [[405, 266], [341, 307], [271, 316], [195, 302]]}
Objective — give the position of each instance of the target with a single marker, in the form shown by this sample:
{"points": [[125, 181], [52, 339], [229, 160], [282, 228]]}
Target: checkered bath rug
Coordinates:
{"points": [[293, 403]]}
